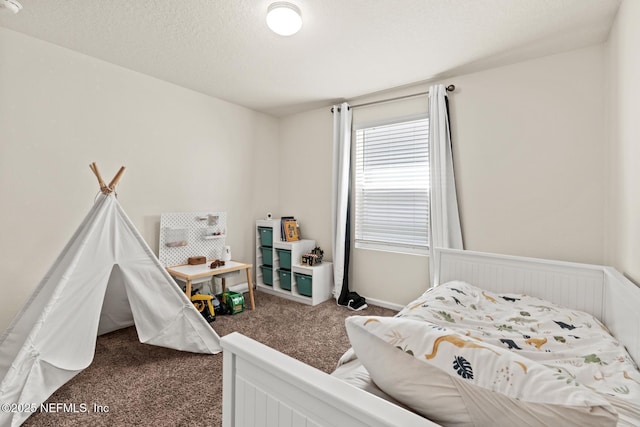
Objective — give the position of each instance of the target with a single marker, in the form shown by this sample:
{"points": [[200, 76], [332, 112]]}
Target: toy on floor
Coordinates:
{"points": [[233, 302], [206, 305]]}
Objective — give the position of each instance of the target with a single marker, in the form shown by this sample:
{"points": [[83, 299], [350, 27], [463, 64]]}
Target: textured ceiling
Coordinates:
{"points": [[346, 48]]}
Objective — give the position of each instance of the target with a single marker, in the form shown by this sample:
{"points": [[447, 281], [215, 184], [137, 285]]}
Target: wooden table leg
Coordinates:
{"points": [[253, 304], [224, 288], [187, 289]]}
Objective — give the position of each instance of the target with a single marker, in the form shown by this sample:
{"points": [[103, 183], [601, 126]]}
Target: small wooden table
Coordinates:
{"points": [[190, 273]]}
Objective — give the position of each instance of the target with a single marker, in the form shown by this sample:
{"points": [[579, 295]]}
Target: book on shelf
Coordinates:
{"points": [[282, 233], [289, 229]]}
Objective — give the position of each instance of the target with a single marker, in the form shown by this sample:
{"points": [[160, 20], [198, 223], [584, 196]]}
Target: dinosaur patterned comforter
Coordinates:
{"points": [[574, 344]]}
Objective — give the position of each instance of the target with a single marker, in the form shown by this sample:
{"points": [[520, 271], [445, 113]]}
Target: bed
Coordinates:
{"points": [[262, 387]]}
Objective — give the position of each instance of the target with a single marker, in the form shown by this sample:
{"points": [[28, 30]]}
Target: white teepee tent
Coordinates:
{"points": [[105, 279]]}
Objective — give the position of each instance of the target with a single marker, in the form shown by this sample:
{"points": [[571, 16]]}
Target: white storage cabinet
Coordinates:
{"points": [[277, 265]]}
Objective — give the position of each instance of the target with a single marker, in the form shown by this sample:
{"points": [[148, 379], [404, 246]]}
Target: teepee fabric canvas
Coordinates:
{"points": [[105, 279]]}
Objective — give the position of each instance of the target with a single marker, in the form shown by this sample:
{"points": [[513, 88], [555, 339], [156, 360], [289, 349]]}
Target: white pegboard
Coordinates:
{"points": [[188, 234]]}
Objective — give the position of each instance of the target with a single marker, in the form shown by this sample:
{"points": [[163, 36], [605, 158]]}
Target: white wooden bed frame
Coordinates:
{"points": [[263, 387]]}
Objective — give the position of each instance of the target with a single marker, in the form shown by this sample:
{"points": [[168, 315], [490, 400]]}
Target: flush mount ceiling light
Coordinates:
{"points": [[12, 6], [284, 18]]}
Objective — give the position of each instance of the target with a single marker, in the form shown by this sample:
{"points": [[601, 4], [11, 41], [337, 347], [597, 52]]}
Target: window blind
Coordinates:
{"points": [[392, 186]]}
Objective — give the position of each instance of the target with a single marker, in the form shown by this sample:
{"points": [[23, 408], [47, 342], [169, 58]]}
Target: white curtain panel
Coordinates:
{"points": [[340, 193], [445, 231]]}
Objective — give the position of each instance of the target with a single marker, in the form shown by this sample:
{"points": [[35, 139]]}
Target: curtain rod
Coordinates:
{"points": [[449, 88]]}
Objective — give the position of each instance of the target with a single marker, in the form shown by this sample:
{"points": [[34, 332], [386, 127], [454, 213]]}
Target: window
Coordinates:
{"points": [[392, 187]]}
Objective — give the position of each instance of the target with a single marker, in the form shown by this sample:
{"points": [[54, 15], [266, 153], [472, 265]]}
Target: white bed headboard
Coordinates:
{"points": [[622, 310], [579, 286], [601, 291]]}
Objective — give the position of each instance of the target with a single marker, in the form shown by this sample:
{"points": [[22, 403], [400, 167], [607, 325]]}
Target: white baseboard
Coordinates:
{"points": [[240, 288], [384, 304], [244, 287]]}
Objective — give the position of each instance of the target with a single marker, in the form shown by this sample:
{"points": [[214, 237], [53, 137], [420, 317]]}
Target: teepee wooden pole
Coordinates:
{"points": [[116, 179], [106, 189], [96, 172]]}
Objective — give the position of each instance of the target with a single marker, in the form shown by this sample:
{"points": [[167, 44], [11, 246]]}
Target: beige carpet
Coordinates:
{"points": [[135, 384]]}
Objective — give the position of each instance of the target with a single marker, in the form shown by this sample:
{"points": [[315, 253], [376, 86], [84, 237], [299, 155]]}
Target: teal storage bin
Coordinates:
{"points": [[304, 284], [267, 256], [285, 258], [266, 236], [285, 279], [267, 275]]}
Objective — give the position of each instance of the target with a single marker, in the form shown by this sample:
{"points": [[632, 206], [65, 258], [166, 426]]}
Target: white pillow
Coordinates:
{"points": [[355, 374], [457, 380]]}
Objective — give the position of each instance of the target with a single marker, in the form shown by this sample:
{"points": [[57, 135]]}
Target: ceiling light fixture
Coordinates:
{"points": [[12, 6], [284, 18]]}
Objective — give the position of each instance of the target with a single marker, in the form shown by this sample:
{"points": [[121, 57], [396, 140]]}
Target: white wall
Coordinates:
{"points": [[305, 173], [528, 150], [530, 157], [184, 151], [623, 203]]}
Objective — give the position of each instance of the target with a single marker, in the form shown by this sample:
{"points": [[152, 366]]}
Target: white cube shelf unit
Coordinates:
{"points": [[274, 255]]}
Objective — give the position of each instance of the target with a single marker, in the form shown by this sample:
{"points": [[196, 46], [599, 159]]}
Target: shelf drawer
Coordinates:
{"points": [[305, 284], [266, 236], [267, 255], [285, 258], [285, 279], [267, 274]]}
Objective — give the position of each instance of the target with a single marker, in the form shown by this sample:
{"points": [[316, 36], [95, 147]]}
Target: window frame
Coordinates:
{"points": [[385, 246]]}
